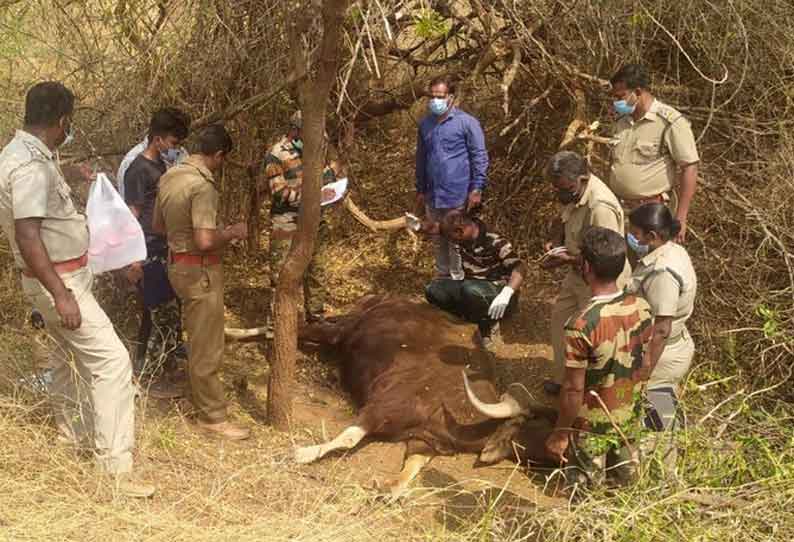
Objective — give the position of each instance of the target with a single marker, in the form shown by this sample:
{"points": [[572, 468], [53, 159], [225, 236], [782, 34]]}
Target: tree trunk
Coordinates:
{"points": [[314, 93]]}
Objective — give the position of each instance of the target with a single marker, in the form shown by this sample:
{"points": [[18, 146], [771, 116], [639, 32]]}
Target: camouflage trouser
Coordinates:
{"points": [[313, 290], [603, 452]]}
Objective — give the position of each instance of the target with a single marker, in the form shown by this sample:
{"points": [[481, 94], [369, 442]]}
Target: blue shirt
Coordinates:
{"points": [[451, 159]]}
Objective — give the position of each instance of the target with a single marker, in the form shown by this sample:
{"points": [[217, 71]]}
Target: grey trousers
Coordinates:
{"points": [[448, 262]]}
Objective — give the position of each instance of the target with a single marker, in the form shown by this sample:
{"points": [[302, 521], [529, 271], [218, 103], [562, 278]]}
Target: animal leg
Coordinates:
{"points": [[344, 441], [411, 468]]}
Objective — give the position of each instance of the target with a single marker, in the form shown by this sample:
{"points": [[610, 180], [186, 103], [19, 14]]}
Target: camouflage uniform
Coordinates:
{"points": [[607, 339], [284, 174]]}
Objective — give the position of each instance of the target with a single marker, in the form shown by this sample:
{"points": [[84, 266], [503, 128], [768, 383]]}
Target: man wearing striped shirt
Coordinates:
{"points": [[492, 275]]}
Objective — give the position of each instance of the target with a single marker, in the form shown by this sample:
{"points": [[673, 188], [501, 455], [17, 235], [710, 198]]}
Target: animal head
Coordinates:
{"points": [[523, 434]]}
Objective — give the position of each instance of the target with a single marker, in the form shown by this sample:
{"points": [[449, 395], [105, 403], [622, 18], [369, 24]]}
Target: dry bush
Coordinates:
{"points": [[126, 58]]}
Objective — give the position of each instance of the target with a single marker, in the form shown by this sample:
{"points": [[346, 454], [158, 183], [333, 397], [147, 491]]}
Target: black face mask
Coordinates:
{"points": [[567, 196]]}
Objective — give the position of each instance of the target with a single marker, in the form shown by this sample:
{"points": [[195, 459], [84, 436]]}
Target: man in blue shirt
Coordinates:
{"points": [[451, 167]]}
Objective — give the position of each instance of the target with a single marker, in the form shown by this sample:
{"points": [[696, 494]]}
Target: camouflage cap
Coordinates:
{"points": [[296, 120]]}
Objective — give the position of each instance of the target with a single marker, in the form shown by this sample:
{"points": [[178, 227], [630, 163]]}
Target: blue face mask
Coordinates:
{"points": [[634, 244], [298, 144], [170, 156], [622, 107], [438, 106]]}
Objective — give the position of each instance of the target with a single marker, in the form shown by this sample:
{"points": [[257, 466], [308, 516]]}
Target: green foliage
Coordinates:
{"points": [[771, 321], [430, 24]]}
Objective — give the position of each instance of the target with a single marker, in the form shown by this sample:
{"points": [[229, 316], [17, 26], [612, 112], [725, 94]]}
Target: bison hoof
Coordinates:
{"points": [[307, 454]]}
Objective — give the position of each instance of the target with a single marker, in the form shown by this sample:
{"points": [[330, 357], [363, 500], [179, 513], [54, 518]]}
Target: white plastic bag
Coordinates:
{"points": [[116, 237]]}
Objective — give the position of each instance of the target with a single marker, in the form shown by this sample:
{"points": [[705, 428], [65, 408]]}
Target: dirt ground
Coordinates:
{"points": [[253, 490], [388, 264]]}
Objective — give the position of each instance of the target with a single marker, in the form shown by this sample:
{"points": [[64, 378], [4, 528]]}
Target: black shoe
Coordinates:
{"points": [[180, 352], [36, 319], [551, 387]]}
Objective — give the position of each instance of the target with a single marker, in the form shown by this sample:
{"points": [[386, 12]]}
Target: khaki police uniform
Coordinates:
{"points": [[92, 387], [647, 155], [597, 206], [667, 280], [188, 200]]}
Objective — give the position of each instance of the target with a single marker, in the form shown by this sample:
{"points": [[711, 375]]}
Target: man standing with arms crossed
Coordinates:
{"points": [[451, 168], [49, 239], [655, 159], [186, 212]]}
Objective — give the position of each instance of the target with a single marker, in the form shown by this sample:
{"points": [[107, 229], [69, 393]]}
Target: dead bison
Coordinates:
{"points": [[401, 362]]}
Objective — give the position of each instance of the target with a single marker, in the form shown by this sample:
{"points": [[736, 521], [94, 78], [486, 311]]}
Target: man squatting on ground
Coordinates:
{"points": [[49, 240], [186, 212], [492, 271], [451, 168]]}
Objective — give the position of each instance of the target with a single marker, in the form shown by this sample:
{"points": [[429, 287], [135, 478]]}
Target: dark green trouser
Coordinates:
{"points": [[313, 290], [469, 299]]}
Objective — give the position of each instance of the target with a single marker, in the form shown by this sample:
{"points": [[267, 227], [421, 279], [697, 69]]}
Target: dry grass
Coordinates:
{"points": [[736, 469], [737, 488]]}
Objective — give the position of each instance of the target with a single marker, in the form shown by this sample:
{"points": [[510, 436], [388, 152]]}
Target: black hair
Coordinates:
{"points": [[567, 164], [47, 103], [214, 138], [605, 251], [655, 217], [169, 121], [633, 75], [442, 80], [454, 220]]}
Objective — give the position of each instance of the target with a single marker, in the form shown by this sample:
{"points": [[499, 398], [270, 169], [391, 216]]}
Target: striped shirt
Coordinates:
{"points": [[489, 257]]}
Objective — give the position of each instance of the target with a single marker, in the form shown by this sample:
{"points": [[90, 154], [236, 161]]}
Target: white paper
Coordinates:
{"points": [[339, 187], [412, 222]]}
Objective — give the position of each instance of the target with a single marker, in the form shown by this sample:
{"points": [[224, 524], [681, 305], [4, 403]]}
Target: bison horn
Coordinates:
{"points": [[507, 408]]}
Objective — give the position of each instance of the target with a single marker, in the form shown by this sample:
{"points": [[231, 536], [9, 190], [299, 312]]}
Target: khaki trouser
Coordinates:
{"points": [[200, 288], [574, 296], [674, 363], [92, 390]]}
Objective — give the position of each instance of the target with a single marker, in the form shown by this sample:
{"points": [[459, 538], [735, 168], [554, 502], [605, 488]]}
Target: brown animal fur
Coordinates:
{"points": [[401, 362]]}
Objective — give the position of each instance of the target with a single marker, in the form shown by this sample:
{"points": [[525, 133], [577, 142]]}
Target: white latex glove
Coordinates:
{"points": [[500, 303]]}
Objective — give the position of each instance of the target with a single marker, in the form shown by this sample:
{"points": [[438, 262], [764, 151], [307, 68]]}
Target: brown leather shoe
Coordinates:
{"points": [[225, 429]]}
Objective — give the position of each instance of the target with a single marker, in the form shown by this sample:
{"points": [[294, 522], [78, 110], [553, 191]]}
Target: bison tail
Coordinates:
{"points": [[241, 333]]}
